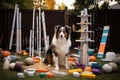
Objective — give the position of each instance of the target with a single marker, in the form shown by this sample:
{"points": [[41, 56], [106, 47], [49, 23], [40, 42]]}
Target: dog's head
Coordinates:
{"points": [[62, 32]]}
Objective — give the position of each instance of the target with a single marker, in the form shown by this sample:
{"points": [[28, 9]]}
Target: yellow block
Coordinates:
{"points": [[74, 70], [93, 76]]}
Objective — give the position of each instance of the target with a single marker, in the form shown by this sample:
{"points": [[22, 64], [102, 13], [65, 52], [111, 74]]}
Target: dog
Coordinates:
{"points": [[58, 50]]}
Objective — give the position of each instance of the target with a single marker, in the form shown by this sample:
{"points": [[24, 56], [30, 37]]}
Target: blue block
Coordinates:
{"points": [[100, 55], [104, 39], [105, 31]]}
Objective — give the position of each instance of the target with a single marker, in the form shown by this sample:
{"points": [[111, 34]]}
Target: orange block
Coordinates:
{"points": [[41, 70], [71, 59], [102, 47], [35, 58], [36, 61], [50, 75]]}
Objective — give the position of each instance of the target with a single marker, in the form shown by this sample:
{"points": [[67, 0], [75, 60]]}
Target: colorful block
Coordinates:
{"points": [[103, 42]]}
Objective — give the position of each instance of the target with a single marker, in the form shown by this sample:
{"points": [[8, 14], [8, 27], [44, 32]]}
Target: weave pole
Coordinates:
{"points": [[44, 31], [32, 51], [20, 35], [17, 31], [37, 26], [13, 26], [39, 33], [30, 43]]}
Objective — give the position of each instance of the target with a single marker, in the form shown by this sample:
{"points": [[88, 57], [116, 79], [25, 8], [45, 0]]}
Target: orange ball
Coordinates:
{"points": [[88, 68], [92, 58], [6, 53]]}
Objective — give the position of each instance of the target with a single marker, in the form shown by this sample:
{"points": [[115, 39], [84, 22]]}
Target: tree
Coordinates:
{"points": [[104, 6], [89, 4], [9, 4], [50, 4], [62, 6], [80, 4]]}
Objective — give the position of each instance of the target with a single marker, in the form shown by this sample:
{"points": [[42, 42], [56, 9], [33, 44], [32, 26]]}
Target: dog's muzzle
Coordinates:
{"points": [[61, 35]]}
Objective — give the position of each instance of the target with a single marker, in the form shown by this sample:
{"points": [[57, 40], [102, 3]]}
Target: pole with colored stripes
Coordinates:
{"points": [[103, 42]]}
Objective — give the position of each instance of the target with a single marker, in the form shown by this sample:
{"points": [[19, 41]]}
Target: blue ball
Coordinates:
{"points": [[27, 49]]}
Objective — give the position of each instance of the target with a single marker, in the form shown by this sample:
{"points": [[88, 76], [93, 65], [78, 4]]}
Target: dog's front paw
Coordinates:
{"points": [[49, 65], [56, 69], [67, 67]]}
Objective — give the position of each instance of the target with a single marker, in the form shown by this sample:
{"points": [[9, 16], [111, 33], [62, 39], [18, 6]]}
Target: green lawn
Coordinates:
{"points": [[12, 75]]}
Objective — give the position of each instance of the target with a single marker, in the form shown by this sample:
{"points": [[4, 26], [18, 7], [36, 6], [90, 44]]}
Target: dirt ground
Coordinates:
{"points": [[41, 65]]}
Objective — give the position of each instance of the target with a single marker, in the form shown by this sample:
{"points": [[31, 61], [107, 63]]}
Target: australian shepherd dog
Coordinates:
{"points": [[58, 51]]}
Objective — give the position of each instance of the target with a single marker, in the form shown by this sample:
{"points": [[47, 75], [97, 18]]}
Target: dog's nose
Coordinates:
{"points": [[61, 36]]}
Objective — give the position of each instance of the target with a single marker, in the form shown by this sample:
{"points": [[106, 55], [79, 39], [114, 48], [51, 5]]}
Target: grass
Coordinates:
{"points": [[12, 75]]}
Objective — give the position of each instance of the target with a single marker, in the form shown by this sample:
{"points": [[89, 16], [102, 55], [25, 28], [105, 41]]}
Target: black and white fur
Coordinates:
{"points": [[57, 53]]}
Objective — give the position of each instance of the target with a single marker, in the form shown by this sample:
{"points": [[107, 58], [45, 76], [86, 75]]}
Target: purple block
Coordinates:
{"points": [[96, 71]]}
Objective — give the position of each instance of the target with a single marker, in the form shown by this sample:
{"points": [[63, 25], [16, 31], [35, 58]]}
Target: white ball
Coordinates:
{"points": [[12, 65], [114, 66], [117, 60], [107, 68], [29, 61]]}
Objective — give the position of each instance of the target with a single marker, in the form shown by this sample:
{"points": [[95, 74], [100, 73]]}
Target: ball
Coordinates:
{"points": [[114, 66], [18, 66], [14, 57], [29, 61], [27, 50], [88, 68], [6, 53], [25, 53], [20, 52], [116, 60], [12, 65], [107, 68], [92, 58]]}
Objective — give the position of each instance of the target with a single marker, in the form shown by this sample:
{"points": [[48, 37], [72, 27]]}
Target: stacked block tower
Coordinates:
{"points": [[85, 38]]}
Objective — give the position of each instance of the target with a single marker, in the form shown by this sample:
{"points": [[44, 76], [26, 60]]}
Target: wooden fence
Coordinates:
{"points": [[99, 19], [6, 17]]}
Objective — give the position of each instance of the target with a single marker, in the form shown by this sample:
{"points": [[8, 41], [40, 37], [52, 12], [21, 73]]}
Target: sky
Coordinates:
{"points": [[68, 3]]}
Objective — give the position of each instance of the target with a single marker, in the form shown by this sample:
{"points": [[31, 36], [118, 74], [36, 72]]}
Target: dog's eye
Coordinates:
{"points": [[60, 30], [63, 31]]}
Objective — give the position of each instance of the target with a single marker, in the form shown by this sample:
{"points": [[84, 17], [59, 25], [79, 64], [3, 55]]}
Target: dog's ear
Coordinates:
{"points": [[68, 29], [56, 27]]}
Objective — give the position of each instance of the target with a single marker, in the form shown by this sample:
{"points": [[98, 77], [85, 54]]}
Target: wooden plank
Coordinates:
{"points": [[103, 42]]}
